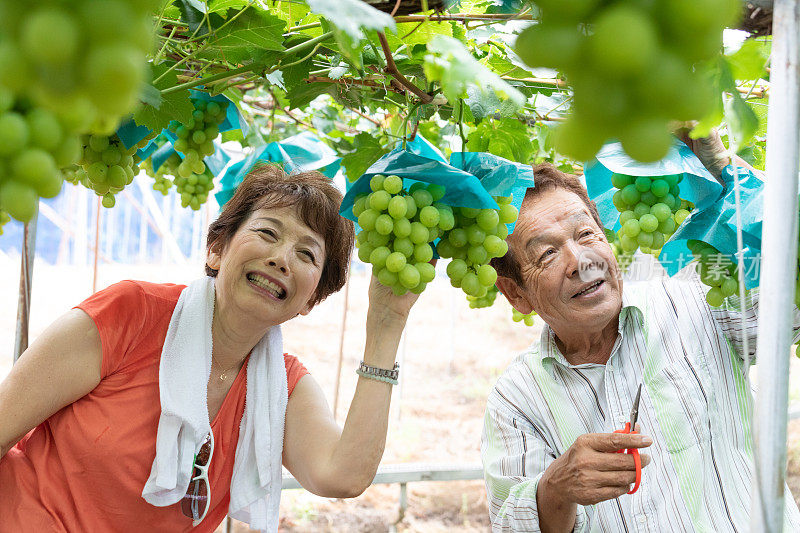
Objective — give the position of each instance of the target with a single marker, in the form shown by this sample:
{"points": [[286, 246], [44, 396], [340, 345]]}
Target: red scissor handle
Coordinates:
{"points": [[636, 459]]}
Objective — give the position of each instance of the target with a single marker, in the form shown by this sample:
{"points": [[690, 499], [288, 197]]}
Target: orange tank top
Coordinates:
{"points": [[84, 468]]}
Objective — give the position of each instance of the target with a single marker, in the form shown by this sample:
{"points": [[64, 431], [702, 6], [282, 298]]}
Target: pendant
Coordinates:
{"points": [[222, 377]]}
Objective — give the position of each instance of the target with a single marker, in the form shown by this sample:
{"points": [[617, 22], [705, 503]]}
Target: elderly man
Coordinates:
{"points": [[548, 445]]}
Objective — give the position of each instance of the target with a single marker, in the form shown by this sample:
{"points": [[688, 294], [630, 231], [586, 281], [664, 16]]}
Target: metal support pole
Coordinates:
{"points": [[96, 242], [779, 260], [25, 277], [341, 344]]}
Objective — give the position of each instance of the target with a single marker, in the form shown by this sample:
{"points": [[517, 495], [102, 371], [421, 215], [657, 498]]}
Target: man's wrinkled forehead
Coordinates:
{"points": [[568, 219], [553, 204]]}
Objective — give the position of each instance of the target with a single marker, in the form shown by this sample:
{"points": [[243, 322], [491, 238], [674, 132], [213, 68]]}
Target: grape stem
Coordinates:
{"points": [[164, 46], [461, 125]]}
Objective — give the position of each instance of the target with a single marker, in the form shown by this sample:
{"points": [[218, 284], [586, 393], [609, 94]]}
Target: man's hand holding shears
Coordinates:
{"points": [[597, 467]]}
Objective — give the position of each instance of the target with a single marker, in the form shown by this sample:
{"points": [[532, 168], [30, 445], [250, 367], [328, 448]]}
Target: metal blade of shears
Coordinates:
{"points": [[635, 408]]}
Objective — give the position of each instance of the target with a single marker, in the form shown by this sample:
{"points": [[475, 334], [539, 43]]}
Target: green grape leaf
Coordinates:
{"points": [[301, 95], [350, 15], [349, 47], [755, 155], [749, 61], [248, 36], [484, 103], [367, 151], [222, 6], [741, 119], [508, 138], [296, 74], [337, 72], [193, 13], [760, 108], [291, 12], [173, 106], [150, 95], [412, 33], [451, 64], [716, 114]]}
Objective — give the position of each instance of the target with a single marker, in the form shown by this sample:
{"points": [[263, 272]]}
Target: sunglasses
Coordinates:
{"points": [[197, 500]]}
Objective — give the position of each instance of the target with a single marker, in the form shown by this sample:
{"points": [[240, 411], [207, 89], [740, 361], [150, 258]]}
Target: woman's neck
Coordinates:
{"points": [[232, 340]]}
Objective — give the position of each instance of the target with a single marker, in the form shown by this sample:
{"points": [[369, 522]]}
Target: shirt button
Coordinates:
{"points": [[622, 419], [642, 519], [610, 368]]}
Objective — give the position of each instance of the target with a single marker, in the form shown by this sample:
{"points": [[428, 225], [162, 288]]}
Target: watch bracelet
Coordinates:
{"points": [[372, 371]]}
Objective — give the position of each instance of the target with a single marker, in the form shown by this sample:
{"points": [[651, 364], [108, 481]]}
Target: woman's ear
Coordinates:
{"points": [[514, 295], [308, 307], [213, 257]]}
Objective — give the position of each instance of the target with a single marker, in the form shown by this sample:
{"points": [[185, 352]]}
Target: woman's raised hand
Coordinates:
{"points": [[385, 305]]}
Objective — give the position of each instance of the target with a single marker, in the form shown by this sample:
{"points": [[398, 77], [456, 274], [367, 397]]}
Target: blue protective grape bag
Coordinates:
{"points": [[300, 152]]}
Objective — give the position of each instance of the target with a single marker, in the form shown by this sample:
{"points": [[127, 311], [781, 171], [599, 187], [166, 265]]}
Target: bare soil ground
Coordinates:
{"points": [[450, 359]]}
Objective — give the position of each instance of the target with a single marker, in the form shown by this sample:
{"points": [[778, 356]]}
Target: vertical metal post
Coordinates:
{"points": [[401, 360], [341, 343], [25, 279], [779, 266], [96, 242]]}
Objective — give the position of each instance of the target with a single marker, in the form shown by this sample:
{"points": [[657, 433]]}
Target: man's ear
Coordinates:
{"points": [[514, 295]]}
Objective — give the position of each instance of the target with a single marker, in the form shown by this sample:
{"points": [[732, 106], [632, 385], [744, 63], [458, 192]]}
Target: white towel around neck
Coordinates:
{"points": [[183, 376]]}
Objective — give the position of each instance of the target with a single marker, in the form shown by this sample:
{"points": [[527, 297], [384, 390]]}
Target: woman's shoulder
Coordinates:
{"points": [[147, 289], [131, 318], [294, 370], [135, 295]]}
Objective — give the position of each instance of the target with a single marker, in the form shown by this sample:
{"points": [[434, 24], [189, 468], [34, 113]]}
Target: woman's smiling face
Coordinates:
{"points": [[270, 269]]}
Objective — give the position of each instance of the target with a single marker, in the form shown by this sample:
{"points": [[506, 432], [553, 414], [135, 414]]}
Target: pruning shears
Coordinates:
{"points": [[630, 429]]}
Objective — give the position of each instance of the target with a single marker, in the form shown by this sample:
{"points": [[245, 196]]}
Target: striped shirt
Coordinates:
{"points": [[695, 405]]}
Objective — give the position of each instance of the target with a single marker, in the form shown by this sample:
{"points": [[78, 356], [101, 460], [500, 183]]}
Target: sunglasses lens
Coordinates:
{"points": [[195, 501], [204, 454]]}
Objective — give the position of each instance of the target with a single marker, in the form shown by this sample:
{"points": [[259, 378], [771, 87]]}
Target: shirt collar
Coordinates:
{"points": [[548, 350]]}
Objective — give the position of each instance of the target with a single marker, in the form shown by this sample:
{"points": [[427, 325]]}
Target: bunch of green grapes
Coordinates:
{"points": [[5, 218], [624, 259], [633, 67], [34, 144], [75, 175], [83, 59], [487, 300], [109, 165], [477, 236], [168, 168], [717, 271], [196, 137], [516, 316], [650, 210], [194, 189], [398, 229]]}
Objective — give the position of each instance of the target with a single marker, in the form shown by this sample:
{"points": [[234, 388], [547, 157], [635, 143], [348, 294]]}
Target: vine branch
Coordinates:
{"points": [[391, 68], [350, 81]]}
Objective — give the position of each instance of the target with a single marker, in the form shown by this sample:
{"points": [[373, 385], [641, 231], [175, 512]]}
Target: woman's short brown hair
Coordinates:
{"points": [[546, 177], [317, 202]]}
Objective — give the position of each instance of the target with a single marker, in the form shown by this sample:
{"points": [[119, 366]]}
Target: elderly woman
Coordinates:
{"points": [[160, 407]]}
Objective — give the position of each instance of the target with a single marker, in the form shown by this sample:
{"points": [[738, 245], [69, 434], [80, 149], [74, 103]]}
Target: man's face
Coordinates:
{"points": [[570, 276]]}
